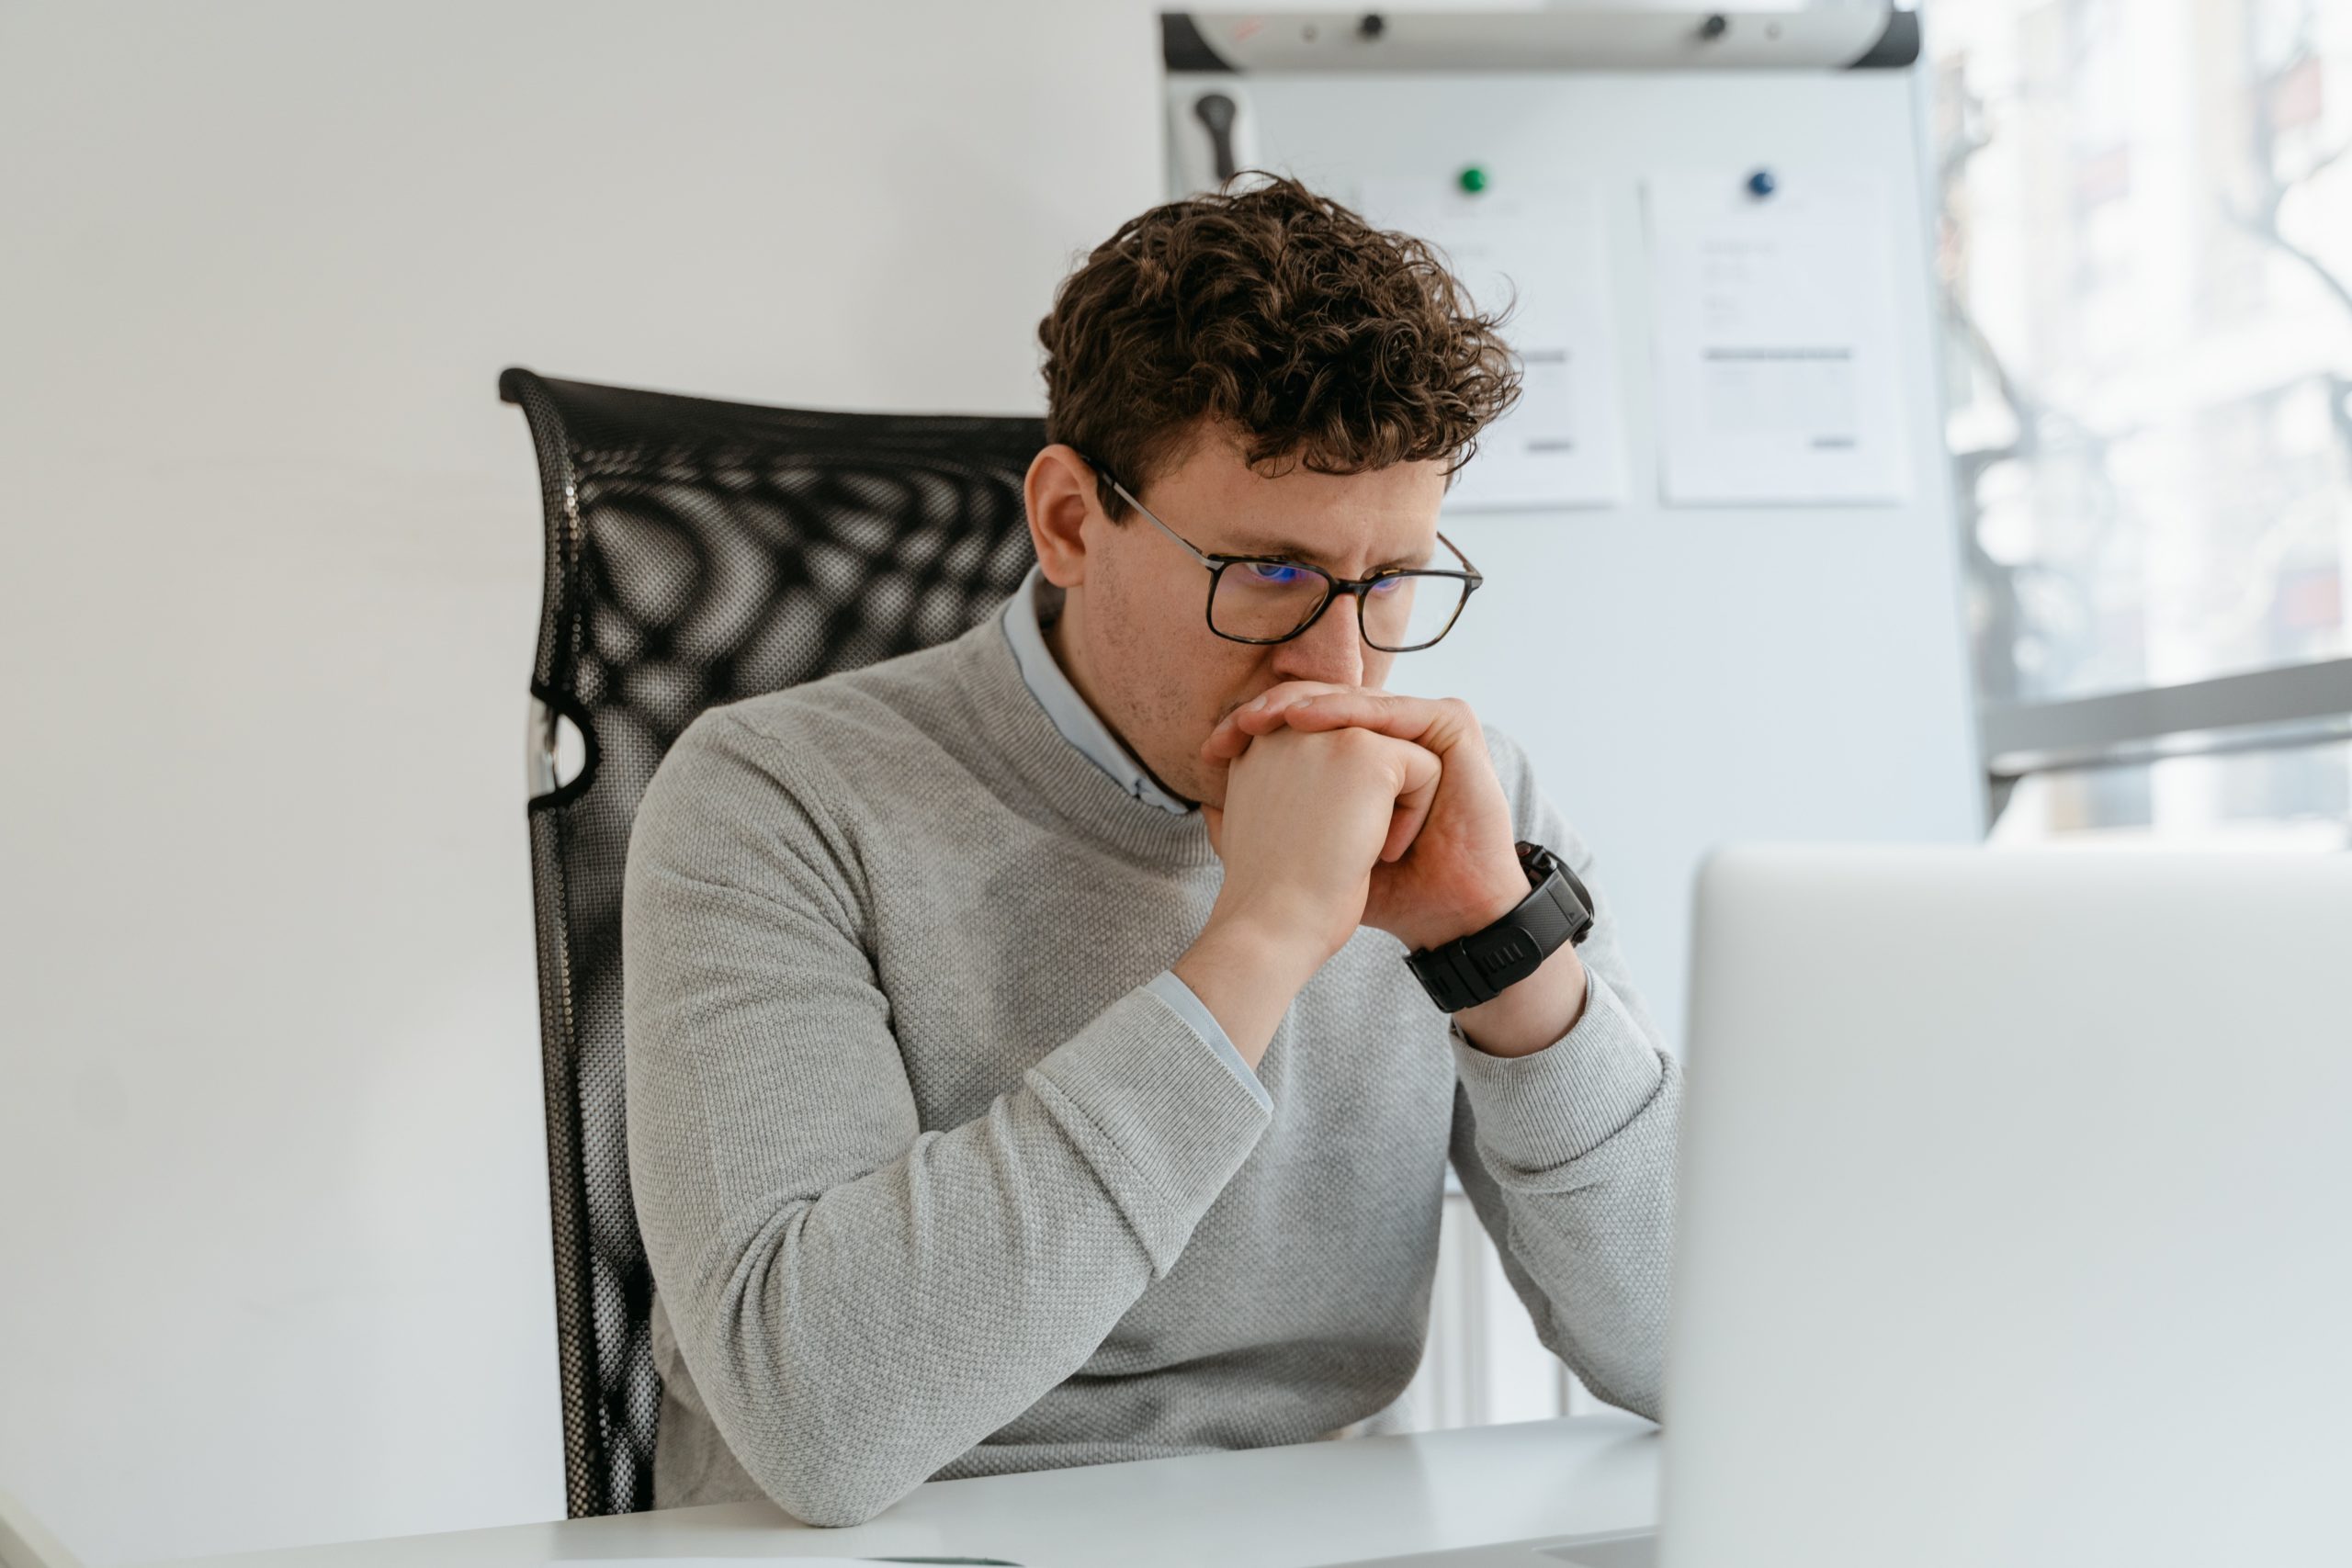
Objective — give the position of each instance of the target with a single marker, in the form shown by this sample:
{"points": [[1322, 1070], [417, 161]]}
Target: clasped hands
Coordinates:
{"points": [[1347, 806]]}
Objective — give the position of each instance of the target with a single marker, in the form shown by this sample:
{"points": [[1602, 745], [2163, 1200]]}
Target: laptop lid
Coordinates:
{"points": [[2016, 1213]]}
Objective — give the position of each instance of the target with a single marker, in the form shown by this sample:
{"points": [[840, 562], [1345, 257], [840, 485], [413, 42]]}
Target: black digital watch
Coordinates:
{"points": [[1476, 968]]}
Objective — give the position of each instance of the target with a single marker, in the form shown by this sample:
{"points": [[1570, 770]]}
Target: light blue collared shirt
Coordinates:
{"points": [[1036, 605], [1032, 607]]}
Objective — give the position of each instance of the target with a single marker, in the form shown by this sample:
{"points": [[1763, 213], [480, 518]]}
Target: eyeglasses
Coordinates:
{"points": [[1269, 599]]}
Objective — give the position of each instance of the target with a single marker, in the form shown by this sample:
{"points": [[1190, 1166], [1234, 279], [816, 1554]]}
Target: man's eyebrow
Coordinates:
{"points": [[1255, 545]]}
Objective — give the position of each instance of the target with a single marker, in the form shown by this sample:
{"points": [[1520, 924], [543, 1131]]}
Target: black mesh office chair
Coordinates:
{"points": [[698, 552]]}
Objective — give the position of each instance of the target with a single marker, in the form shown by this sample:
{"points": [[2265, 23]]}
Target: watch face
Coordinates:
{"points": [[1584, 901], [1541, 865]]}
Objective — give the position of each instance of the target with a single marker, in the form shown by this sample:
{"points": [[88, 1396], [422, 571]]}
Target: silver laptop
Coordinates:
{"points": [[2015, 1216]]}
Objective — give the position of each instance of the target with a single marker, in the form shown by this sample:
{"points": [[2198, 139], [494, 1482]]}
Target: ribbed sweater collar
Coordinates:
{"points": [[1033, 758]]}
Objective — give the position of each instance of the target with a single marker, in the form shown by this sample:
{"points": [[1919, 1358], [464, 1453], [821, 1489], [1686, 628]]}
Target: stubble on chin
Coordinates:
{"points": [[1152, 719]]}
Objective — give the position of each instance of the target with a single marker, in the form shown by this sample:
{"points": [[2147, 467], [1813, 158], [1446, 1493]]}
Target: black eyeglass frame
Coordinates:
{"points": [[1469, 576]]}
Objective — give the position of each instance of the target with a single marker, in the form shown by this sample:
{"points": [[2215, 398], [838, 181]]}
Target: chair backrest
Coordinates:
{"points": [[698, 552]]}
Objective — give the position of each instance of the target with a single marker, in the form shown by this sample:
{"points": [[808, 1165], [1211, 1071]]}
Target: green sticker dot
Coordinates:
{"points": [[1474, 179]]}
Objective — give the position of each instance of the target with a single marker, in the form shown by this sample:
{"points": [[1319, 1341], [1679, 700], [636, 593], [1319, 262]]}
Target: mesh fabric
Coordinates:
{"points": [[698, 552]]}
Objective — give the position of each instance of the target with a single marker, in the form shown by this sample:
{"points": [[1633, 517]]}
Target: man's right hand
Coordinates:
{"points": [[1307, 816]]}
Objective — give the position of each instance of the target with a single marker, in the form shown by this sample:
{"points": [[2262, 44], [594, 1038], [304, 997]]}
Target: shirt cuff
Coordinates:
{"points": [[1193, 1012], [1536, 1113]]}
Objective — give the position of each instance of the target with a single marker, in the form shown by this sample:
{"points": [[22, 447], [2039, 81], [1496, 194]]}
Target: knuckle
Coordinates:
{"points": [[1362, 748]]}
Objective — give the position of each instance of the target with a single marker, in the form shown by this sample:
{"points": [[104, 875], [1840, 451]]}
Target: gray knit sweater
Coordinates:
{"points": [[933, 1185]]}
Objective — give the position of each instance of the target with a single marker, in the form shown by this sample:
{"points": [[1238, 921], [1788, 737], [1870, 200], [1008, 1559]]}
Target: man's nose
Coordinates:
{"points": [[1331, 649]]}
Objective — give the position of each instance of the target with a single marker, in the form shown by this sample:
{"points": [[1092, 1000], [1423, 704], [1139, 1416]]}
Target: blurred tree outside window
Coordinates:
{"points": [[2146, 258]]}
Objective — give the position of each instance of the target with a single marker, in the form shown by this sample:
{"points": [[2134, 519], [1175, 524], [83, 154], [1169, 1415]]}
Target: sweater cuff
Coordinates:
{"points": [[1538, 1112], [1164, 1119], [1185, 1004]]}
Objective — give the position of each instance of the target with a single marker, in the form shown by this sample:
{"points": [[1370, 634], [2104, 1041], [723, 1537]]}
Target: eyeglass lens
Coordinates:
{"points": [[1263, 600]]}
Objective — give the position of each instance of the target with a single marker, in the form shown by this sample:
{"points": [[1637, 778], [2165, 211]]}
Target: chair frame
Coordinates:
{"points": [[583, 436]]}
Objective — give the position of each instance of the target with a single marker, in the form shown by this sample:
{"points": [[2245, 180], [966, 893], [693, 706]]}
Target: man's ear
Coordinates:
{"points": [[1059, 491]]}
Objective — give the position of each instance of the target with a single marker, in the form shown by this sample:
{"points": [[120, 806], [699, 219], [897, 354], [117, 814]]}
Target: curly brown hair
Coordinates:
{"points": [[1279, 312]]}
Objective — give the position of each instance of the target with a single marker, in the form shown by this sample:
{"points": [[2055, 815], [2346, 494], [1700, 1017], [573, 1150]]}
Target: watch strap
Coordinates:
{"points": [[1478, 967]]}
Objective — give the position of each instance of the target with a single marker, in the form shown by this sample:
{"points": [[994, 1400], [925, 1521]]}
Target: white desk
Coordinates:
{"points": [[1316, 1502]]}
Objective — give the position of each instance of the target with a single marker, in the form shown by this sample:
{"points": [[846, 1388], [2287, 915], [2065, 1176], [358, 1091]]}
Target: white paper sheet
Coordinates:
{"points": [[1774, 329], [1562, 443]]}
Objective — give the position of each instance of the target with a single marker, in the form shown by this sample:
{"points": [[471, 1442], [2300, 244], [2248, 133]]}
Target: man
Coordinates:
{"points": [[1024, 1069]]}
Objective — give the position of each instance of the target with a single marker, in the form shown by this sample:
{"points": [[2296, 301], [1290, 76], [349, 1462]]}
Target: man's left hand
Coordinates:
{"points": [[1461, 872]]}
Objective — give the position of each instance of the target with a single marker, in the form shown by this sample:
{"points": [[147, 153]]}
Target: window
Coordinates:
{"points": [[2146, 258]]}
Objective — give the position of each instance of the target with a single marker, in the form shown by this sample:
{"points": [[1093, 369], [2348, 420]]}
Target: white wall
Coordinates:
{"points": [[273, 1248]]}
